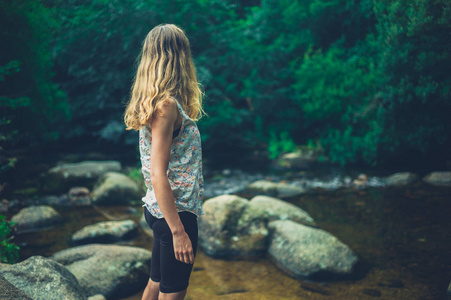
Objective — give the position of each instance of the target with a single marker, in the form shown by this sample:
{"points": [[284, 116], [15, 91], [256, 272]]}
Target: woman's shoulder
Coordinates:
{"points": [[166, 109], [167, 105]]}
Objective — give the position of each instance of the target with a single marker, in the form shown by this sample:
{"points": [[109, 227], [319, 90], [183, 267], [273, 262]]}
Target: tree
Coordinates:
{"points": [[31, 104]]}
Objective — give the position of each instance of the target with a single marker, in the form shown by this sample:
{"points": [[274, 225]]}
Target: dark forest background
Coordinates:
{"points": [[364, 82]]}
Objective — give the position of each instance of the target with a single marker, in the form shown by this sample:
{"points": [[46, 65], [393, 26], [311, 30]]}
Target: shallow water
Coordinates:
{"points": [[231, 181], [401, 235]]}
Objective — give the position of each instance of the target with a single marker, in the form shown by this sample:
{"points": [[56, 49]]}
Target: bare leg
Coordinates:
{"points": [[152, 290], [173, 296]]}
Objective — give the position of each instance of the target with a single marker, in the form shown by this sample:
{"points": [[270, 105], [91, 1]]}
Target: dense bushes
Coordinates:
{"points": [[366, 80], [9, 252], [31, 104]]}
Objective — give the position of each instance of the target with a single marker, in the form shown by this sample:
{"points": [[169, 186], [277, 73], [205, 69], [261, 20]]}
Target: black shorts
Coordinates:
{"points": [[173, 275]]}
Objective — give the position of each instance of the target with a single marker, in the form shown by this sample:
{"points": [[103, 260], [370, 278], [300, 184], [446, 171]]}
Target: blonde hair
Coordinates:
{"points": [[165, 70]]}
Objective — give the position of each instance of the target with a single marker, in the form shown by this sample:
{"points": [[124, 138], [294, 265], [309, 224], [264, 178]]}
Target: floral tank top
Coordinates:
{"points": [[184, 170]]}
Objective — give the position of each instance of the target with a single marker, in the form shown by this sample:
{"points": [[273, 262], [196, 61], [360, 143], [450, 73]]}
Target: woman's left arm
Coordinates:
{"points": [[162, 127]]}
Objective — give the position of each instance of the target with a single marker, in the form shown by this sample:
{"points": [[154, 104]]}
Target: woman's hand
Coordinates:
{"points": [[183, 249]]}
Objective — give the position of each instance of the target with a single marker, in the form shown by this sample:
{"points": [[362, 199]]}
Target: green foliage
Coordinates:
{"points": [[338, 93], [367, 80], [7, 133], [32, 104], [6, 161], [413, 53], [280, 144], [9, 252]]}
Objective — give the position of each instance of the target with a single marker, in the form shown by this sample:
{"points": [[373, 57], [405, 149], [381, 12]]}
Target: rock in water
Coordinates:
{"points": [[105, 232], [115, 188], [273, 189], [262, 187], [289, 190], [62, 177], [110, 270], [35, 218], [275, 209], [43, 279], [297, 160], [232, 225], [303, 251], [401, 178], [438, 178], [226, 229]]}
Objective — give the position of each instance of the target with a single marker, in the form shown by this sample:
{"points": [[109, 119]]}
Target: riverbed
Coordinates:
{"points": [[401, 235]]}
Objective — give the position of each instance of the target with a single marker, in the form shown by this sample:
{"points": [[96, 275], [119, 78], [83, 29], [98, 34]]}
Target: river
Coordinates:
{"points": [[401, 235]]}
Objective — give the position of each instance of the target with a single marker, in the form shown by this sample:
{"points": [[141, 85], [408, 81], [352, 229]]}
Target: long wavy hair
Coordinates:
{"points": [[166, 69]]}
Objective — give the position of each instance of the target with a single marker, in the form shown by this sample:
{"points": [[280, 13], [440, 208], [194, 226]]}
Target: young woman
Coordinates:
{"points": [[165, 103]]}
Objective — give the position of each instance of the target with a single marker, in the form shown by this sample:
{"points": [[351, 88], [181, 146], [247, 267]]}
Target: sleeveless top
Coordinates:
{"points": [[184, 170]]}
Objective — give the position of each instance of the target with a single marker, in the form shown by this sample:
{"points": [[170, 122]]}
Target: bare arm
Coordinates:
{"points": [[162, 128]]}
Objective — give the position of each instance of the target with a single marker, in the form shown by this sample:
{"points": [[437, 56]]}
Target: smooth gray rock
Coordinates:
{"points": [[61, 178], [289, 190], [297, 160], [303, 251], [275, 209], [35, 218], [262, 187], [273, 189], [229, 227], [232, 225], [110, 270], [105, 232], [79, 196], [438, 178], [43, 278], [401, 178], [115, 188]]}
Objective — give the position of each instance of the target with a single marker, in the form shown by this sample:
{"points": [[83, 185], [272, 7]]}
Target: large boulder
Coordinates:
{"points": [[110, 270], [35, 218], [229, 227], [43, 278], [232, 225], [61, 178], [401, 178], [275, 209], [303, 251], [438, 178], [115, 188], [105, 232]]}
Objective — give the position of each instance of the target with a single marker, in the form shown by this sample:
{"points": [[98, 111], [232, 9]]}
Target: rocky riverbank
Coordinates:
{"points": [[232, 226]]}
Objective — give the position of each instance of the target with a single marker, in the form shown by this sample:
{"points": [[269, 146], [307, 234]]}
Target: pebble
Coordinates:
{"points": [[396, 283], [372, 292]]}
